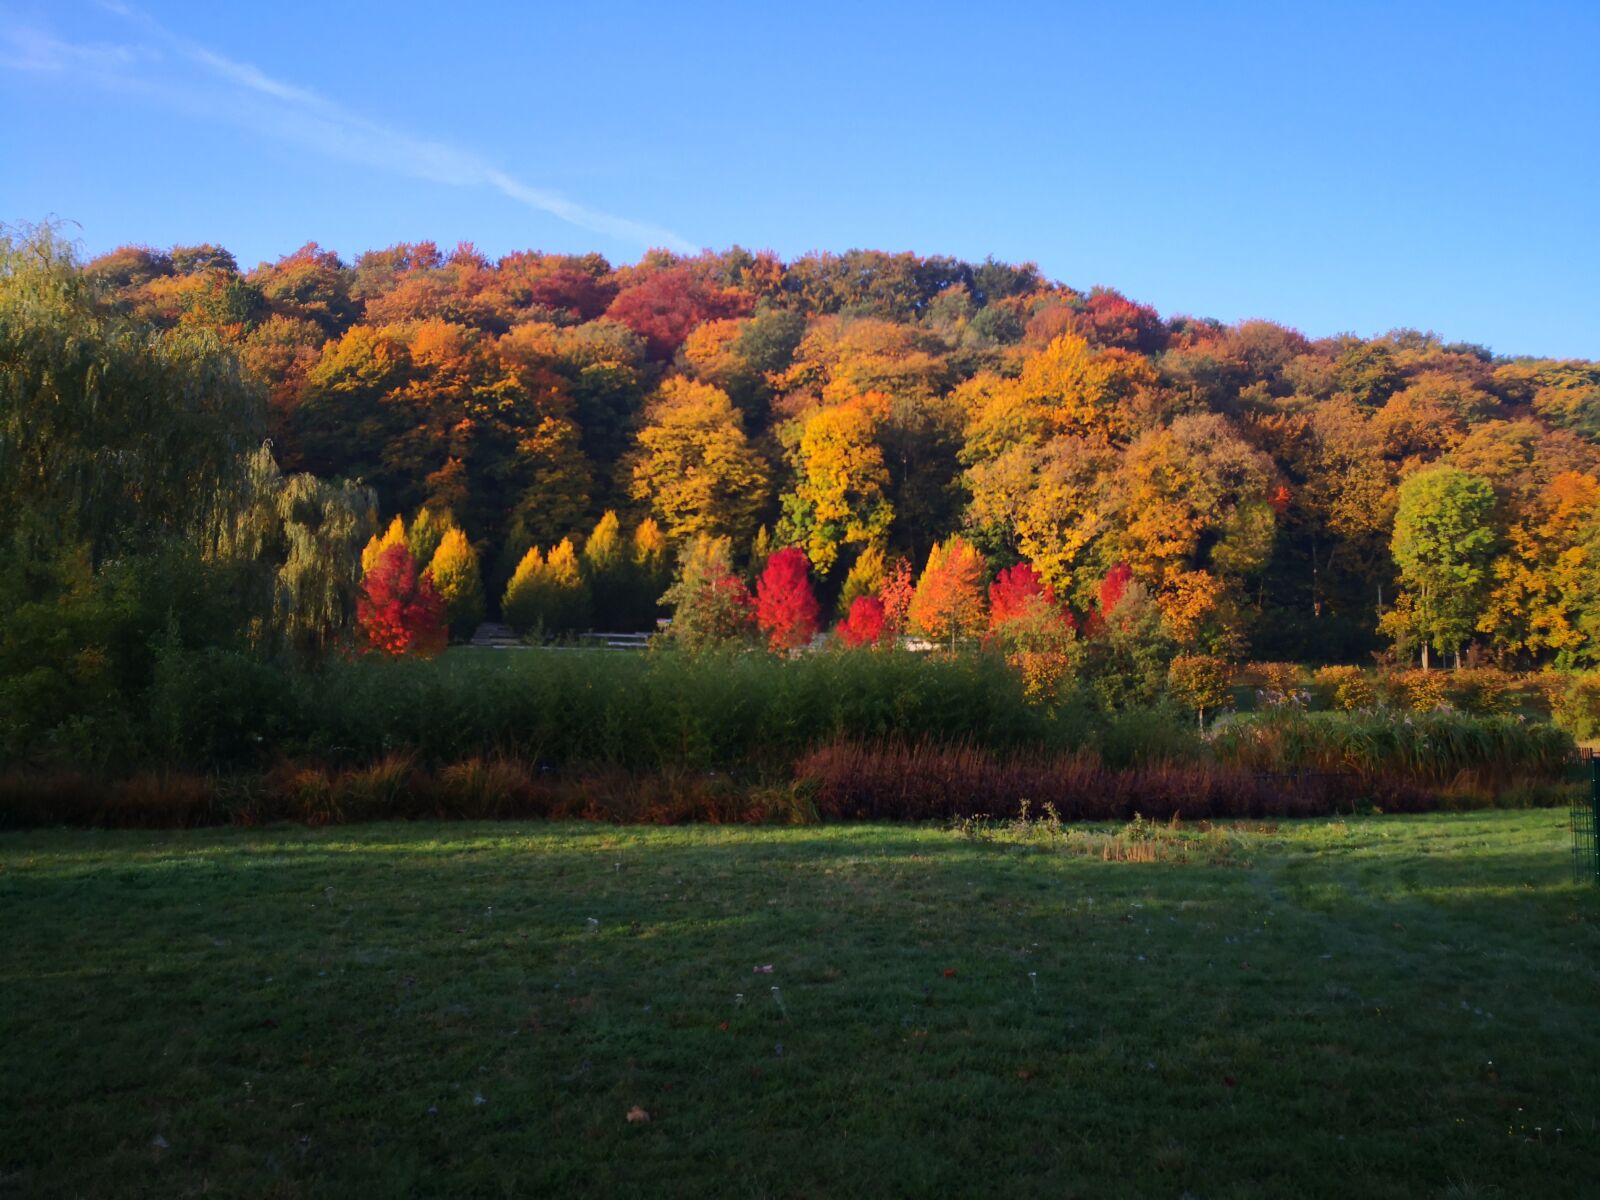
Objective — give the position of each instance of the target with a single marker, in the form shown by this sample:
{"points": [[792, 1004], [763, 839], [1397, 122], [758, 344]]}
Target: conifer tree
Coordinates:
{"points": [[865, 577], [569, 593], [526, 596], [609, 573], [948, 603], [395, 535], [427, 531], [457, 579]]}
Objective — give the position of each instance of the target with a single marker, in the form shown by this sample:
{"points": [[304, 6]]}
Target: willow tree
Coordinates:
{"points": [[299, 540], [111, 431]]}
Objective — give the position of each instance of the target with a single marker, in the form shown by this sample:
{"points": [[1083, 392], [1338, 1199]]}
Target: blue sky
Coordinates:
{"points": [[1336, 167]]}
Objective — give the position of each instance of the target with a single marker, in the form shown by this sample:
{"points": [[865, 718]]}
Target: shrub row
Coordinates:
{"points": [[642, 712], [896, 781], [396, 787], [1426, 749]]}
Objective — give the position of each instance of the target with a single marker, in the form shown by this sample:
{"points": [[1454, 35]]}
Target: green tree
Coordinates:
{"points": [[110, 432], [1444, 544], [300, 542], [427, 530], [711, 606]]}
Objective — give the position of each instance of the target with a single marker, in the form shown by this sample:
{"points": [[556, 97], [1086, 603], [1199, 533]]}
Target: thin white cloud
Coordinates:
{"points": [[33, 50], [244, 94]]}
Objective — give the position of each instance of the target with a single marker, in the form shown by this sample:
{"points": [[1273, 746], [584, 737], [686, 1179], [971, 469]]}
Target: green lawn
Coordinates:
{"points": [[1393, 1006]]}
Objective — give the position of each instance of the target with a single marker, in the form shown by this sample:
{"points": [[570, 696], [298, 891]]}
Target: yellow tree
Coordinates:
{"points": [[1065, 388], [1194, 495], [694, 466], [526, 596], [865, 578], [1053, 503], [838, 498], [395, 535], [569, 607], [609, 572], [1545, 581], [652, 574], [457, 579]]}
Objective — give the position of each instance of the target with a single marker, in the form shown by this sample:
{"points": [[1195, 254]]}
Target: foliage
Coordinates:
{"points": [[455, 575], [864, 624], [786, 607], [695, 468], [1349, 688], [1443, 544], [948, 602], [394, 535], [1250, 478], [1427, 747], [710, 604], [298, 543], [427, 531], [527, 598], [111, 432], [866, 577], [897, 592], [399, 610], [1576, 706], [1125, 660], [1200, 681], [839, 495]]}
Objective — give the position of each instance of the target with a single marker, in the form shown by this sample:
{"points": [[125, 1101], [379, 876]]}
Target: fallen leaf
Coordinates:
{"points": [[949, 972], [1229, 1081], [723, 1027], [637, 1114]]}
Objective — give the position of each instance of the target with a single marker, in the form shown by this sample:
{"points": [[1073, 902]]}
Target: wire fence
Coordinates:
{"points": [[1586, 818]]}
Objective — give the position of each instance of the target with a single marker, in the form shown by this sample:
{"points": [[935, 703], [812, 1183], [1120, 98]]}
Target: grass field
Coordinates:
{"points": [[1386, 1006]]}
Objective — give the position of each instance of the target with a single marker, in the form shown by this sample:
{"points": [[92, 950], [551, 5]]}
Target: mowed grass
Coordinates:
{"points": [[1386, 1006]]}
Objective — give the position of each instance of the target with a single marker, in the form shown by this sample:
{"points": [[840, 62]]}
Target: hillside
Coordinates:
{"points": [[1247, 474]]}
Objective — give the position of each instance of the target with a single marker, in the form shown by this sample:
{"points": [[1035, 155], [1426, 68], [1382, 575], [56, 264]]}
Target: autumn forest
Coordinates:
{"points": [[1277, 496]]}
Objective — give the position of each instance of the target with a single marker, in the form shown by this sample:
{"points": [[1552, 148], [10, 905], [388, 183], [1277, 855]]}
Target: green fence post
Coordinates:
{"points": [[1594, 818], [1586, 827]]}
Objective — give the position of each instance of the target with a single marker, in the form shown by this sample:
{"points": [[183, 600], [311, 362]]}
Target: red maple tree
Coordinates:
{"points": [[666, 305], [1113, 586], [398, 609], [899, 586], [1017, 592], [864, 625], [786, 607]]}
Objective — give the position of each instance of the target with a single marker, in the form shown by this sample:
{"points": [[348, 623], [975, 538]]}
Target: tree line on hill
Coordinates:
{"points": [[567, 444]]}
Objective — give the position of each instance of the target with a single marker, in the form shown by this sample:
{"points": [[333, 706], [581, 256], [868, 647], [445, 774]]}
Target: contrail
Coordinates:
{"points": [[300, 115]]}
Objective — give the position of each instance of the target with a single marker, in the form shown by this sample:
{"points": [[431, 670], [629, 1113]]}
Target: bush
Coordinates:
{"points": [[1481, 691], [1576, 706], [1428, 748], [897, 781], [213, 708], [1277, 683], [664, 710], [1347, 688]]}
